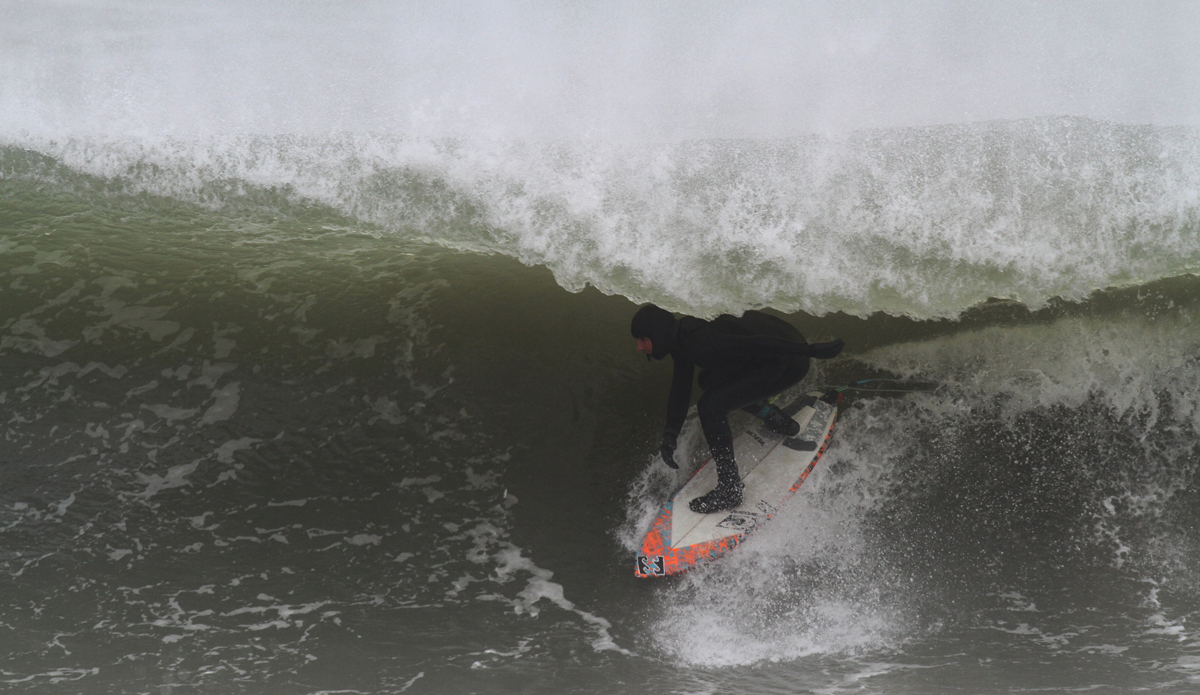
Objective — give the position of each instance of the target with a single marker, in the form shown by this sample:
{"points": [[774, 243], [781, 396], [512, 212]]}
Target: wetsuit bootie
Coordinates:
{"points": [[779, 423], [723, 497], [728, 492]]}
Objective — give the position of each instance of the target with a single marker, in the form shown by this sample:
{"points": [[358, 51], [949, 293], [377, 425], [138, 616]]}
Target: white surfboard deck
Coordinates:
{"points": [[770, 467]]}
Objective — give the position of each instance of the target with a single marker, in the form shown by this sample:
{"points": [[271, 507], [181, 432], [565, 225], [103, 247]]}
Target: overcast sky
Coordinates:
{"points": [[657, 70]]}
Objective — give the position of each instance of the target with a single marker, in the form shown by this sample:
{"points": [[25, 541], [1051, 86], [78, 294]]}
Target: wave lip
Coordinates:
{"points": [[924, 222]]}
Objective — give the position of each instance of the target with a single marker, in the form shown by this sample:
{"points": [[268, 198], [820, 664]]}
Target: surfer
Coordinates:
{"points": [[743, 361]]}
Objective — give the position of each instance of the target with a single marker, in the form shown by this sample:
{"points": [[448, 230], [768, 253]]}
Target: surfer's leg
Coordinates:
{"points": [[748, 390], [728, 492], [782, 376], [725, 393]]}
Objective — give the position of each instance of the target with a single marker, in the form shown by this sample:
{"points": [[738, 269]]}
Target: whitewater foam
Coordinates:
{"points": [[925, 222]]}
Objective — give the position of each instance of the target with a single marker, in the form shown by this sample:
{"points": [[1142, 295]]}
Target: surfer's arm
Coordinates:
{"points": [[681, 394]]}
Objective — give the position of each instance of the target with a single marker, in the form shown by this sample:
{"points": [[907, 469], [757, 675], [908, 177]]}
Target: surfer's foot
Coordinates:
{"points": [[781, 424], [722, 497]]}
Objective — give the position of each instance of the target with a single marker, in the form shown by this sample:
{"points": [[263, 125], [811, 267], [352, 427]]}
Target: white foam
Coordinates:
{"points": [[171, 413], [489, 546], [388, 410], [1160, 624], [798, 586], [225, 403], [55, 676], [147, 319], [364, 539], [39, 343], [922, 222], [1050, 641], [210, 374], [176, 476], [714, 632], [361, 348], [226, 451], [1129, 361]]}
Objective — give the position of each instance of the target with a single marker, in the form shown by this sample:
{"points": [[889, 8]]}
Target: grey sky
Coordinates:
{"points": [[611, 70]]}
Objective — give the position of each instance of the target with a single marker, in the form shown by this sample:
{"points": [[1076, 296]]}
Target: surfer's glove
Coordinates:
{"points": [[668, 450]]}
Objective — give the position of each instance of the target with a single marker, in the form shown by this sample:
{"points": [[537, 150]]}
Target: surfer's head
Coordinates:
{"points": [[653, 327]]}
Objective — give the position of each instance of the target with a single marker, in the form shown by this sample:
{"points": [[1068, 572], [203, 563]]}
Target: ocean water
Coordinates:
{"points": [[299, 396]]}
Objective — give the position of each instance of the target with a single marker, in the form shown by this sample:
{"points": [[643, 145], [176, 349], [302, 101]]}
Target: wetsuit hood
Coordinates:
{"points": [[658, 325]]}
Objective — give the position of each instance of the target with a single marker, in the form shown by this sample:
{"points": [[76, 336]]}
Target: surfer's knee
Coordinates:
{"points": [[711, 405]]}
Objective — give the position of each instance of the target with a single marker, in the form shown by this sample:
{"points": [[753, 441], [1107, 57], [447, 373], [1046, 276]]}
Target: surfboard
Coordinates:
{"points": [[771, 467]]}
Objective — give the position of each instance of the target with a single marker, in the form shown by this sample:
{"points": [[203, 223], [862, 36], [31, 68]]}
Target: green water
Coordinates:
{"points": [[263, 447]]}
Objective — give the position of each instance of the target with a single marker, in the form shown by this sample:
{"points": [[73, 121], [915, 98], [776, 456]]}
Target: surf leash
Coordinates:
{"points": [[858, 386]]}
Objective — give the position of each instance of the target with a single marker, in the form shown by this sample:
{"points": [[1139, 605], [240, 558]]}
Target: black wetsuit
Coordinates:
{"points": [[743, 361]]}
